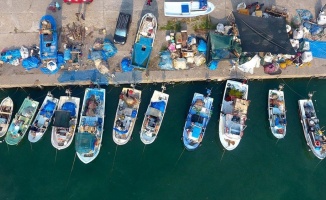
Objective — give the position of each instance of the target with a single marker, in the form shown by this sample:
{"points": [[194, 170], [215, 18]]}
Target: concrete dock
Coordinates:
{"points": [[20, 20]]}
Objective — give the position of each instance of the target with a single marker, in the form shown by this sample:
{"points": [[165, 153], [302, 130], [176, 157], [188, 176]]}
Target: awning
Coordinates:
{"points": [[260, 34]]}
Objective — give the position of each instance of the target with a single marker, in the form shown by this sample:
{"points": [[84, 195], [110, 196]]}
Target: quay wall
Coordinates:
{"points": [[19, 26]]}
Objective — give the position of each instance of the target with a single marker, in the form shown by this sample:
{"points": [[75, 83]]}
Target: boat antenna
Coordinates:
{"points": [[163, 87], [280, 87]]}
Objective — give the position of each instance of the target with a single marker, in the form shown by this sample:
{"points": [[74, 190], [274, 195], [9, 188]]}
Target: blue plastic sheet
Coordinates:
{"points": [[305, 15], [166, 61], [48, 109], [126, 65], [69, 106], [202, 46], [318, 48], [31, 63], [314, 29], [67, 54], [84, 75], [159, 105], [10, 56], [213, 65]]}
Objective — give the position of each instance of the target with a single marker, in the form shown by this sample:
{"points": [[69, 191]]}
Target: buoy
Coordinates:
{"points": [[283, 65], [317, 143]]}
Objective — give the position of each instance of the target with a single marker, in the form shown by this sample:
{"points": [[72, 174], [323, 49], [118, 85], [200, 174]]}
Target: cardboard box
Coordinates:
{"points": [[244, 11]]}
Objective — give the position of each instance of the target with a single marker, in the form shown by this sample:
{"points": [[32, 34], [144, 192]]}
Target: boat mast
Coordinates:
{"points": [[310, 94], [163, 88], [208, 91], [280, 87], [68, 92]]}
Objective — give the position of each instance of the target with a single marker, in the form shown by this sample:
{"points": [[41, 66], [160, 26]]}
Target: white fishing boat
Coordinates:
{"points": [[43, 118], [187, 8], [144, 42], [6, 109], [233, 114], [90, 128], [21, 122], [314, 135], [197, 120], [65, 121], [154, 117], [126, 115], [277, 112]]}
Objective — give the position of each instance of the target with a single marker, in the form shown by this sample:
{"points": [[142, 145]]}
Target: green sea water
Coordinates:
{"points": [[261, 167]]}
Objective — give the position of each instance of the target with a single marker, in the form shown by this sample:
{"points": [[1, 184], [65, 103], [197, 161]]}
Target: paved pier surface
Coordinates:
{"points": [[19, 21]]}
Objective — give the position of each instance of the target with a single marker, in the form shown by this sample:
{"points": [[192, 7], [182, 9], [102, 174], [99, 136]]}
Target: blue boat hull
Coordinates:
{"points": [[48, 38]]}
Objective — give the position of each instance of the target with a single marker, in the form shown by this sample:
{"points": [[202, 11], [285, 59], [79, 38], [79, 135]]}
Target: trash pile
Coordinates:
{"points": [[183, 52], [73, 38], [14, 56], [101, 51], [27, 56], [300, 32]]}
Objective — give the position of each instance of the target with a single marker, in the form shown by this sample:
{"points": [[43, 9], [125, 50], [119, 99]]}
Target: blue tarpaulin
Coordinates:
{"points": [[213, 64], [166, 61], [126, 65], [10, 56], [69, 106], [31, 63], [159, 105], [318, 48], [48, 109], [84, 75], [202, 46]]}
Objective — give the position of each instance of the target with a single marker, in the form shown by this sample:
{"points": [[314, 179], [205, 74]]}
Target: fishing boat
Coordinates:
{"points": [[49, 42], [22, 121], [197, 120], [6, 109], [277, 112], [154, 117], [90, 128], [126, 115], [315, 137], [43, 118], [65, 121], [233, 114], [144, 41], [187, 8]]}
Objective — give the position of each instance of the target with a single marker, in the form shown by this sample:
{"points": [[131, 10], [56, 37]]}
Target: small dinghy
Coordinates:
{"points": [[126, 115], [43, 118], [277, 112], [313, 133], [233, 114], [144, 42], [65, 121], [154, 117], [187, 8], [90, 128], [6, 109], [197, 120], [22, 121]]}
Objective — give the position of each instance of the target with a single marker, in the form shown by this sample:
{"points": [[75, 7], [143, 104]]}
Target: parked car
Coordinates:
{"points": [[77, 1], [122, 28]]}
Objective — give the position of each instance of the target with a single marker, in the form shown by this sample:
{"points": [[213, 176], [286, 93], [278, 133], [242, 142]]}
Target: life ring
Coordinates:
{"points": [[317, 143]]}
